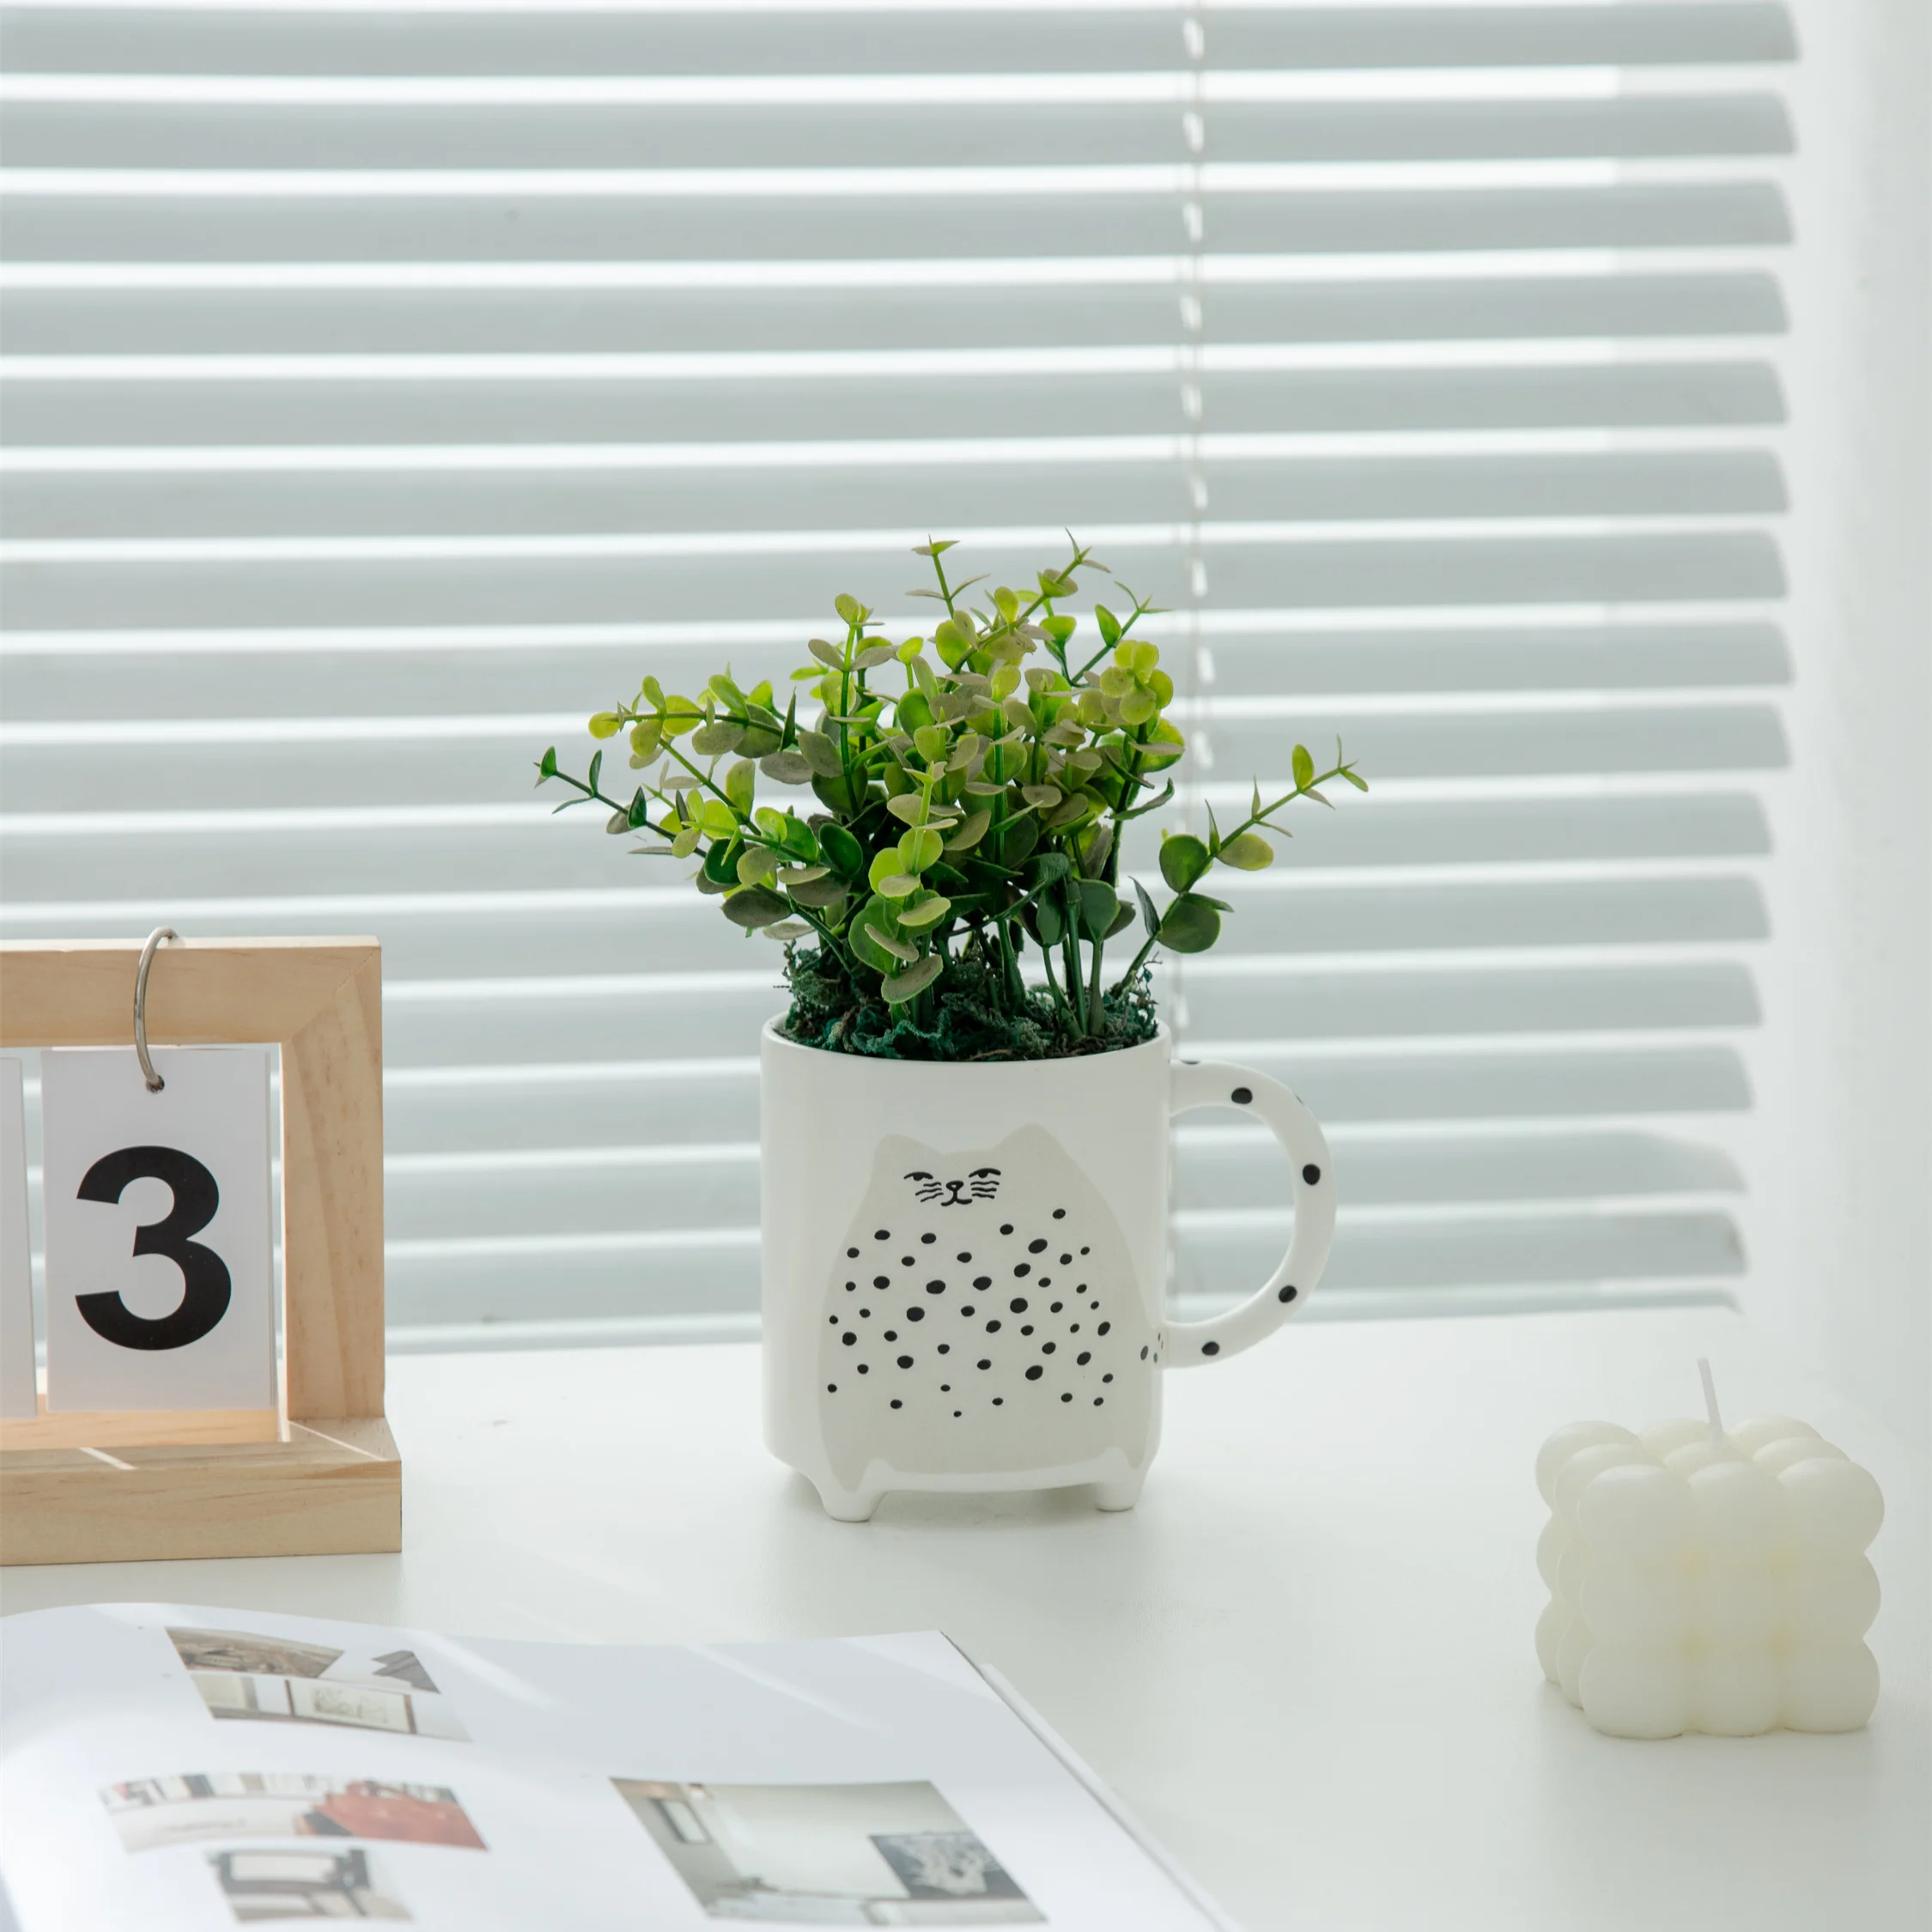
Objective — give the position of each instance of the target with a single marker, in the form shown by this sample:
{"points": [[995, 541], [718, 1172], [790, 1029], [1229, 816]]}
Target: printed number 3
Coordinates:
{"points": [[205, 1275]]}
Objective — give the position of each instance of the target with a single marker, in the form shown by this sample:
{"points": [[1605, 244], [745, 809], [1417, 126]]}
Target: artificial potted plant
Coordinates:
{"points": [[965, 1112]]}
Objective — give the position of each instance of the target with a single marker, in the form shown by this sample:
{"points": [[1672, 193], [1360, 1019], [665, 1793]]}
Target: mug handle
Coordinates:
{"points": [[1214, 1082]]}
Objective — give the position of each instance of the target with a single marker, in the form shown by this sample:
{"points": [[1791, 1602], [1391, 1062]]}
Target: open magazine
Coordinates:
{"points": [[167, 1766]]}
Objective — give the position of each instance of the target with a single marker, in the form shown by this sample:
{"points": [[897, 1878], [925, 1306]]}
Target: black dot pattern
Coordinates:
{"points": [[1038, 1360], [1241, 1096], [1311, 1174]]}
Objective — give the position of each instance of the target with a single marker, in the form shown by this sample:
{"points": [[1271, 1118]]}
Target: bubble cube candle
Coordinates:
{"points": [[1702, 1581]]}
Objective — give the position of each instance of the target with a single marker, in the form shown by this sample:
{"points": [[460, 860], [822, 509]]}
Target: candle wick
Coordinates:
{"points": [[1711, 1401]]}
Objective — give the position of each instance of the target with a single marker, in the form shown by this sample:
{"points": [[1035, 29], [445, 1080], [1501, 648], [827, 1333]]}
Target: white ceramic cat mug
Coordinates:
{"points": [[965, 1265]]}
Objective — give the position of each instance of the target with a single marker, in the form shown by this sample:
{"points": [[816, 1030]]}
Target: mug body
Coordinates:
{"points": [[964, 1270]]}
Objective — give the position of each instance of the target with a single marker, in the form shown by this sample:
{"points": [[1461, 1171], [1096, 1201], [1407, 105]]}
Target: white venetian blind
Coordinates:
{"points": [[385, 390]]}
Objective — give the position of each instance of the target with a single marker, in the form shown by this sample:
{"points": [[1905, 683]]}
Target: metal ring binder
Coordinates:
{"points": [[154, 1081]]}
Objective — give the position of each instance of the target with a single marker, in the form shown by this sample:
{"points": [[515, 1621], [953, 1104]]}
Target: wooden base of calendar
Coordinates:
{"points": [[333, 1488], [320, 1475]]}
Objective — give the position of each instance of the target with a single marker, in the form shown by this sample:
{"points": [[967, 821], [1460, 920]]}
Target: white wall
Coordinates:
{"points": [[1843, 1247]]}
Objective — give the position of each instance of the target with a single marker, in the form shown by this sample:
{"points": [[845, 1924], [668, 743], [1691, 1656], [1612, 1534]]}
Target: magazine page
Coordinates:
{"points": [[180, 1767]]}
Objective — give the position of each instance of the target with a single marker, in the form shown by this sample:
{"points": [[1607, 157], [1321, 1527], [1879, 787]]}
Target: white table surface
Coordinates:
{"points": [[1304, 1662]]}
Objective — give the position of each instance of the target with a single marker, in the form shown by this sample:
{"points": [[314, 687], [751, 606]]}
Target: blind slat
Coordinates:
{"points": [[828, 495], [871, 227], [480, 673], [200, 409], [880, 133], [439, 325], [173, 767], [451, 1283], [1031, 41], [656, 931], [281, 587], [721, 1190], [151, 867]]}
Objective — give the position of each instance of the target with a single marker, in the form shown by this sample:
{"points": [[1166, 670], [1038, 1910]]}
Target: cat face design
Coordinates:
{"points": [[954, 1190]]}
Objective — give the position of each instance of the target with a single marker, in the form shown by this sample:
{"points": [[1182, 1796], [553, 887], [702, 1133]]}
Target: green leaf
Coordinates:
{"points": [[918, 850], [786, 929], [1016, 839], [874, 655], [686, 843], [753, 906], [595, 766], [936, 549], [605, 724], [1123, 918], [1192, 925], [720, 862], [740, 784], [909, 984], [920, 912], [1360, 783], [1183, 859], [819, 893], [1047, 921], [969, 833], [1099, 906], [640, 812], [546, 766], [788, 767], [843, 852], [837, 794], [848, 607], [1304, 769], [898, 885], [714, 741], [1150, 914], [871, 925], [1248, 852], [1109, 625], [827, 654], [821, 753]]}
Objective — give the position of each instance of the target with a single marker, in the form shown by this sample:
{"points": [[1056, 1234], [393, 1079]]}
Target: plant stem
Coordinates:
{"points": [[1135, 965], [1070, 953], [1093, 990], [1010, 975]]}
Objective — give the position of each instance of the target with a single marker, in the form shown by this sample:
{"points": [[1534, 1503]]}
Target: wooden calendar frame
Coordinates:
{"points": [[320, 1475]]}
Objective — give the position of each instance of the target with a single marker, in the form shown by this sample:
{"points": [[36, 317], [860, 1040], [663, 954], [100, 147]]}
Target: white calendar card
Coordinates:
{"points": [[185, 1769], [160, 1276]]}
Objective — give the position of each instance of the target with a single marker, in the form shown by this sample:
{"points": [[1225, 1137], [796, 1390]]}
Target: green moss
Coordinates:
{"points": [[960, 1017]]}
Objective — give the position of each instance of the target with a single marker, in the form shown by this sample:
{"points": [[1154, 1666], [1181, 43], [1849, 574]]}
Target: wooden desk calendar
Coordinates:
{"points": [[320, 1476]]}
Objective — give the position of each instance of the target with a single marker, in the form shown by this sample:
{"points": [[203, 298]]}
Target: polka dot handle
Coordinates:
{"points": [[1217, 1083]]}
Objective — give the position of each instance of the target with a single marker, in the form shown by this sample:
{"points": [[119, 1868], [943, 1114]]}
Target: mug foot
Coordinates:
{"points": [[847, 1505], [1122, 1493]]}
